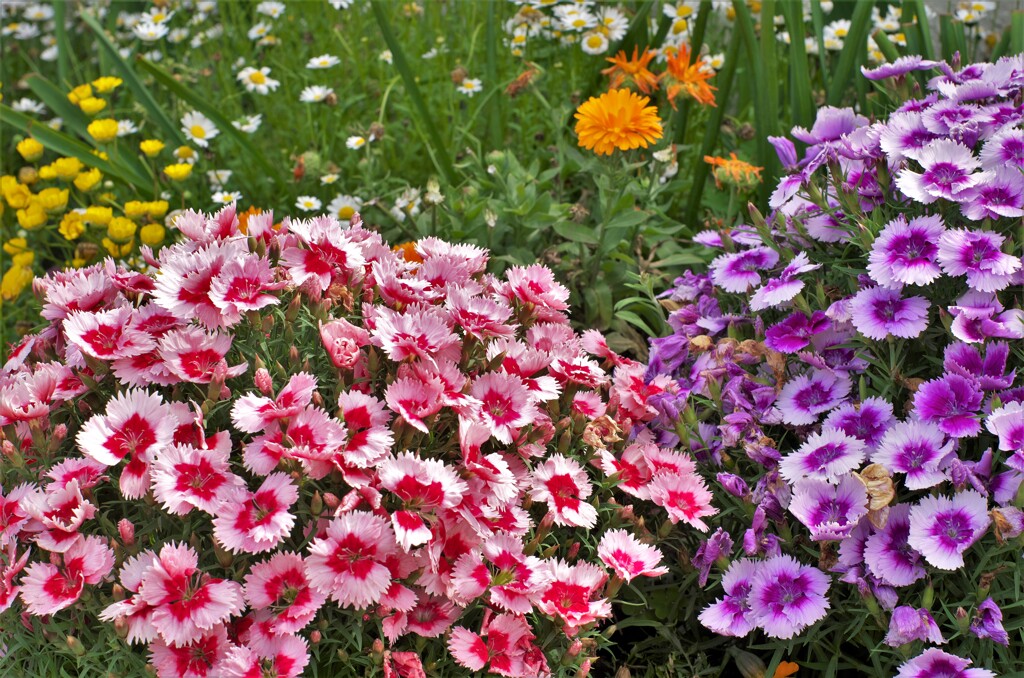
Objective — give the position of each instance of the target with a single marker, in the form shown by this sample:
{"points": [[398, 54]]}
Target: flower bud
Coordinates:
{"points": [[264, 382], [126, 529], [315, 637], [75, 645]]}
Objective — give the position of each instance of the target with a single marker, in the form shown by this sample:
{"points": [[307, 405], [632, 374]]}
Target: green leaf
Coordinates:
{"points": [[927, 48], [636, 321], [60, 32], [575, 232], [952, 38], [65, 145], [57, 101], [801, 96], [206, 108], [142, 95], [854, 47], [1017, 32]]}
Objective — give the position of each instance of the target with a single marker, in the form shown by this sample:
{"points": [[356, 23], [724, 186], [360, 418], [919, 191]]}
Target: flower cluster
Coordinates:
{"points": [[350, 432], [847, 368]]}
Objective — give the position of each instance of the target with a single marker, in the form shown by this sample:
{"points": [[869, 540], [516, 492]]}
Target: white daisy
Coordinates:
{"points": [[355, 142], [328, 179], [50, 53], [38, 12], [177, 35], [323, 61], [26, 105], [386, 56], [256, 80], [340, 4], [594, 42], [272, 9], [344, 207], [149, 32], [307, 203], [470, 86], [218, 178], [249, 123], [126, 127], [614, 21], [315, 93], [198, 128], [154, 55], [55, 123], [156, 15], [259, 30], [26, 32], [186, 154], [226, 197]]}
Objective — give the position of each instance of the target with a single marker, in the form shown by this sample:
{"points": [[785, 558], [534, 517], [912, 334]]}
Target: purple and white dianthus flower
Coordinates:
{"points": [[1004, 149], [867, 421], [826, 456], [738, 271], [948, 168], [909, 624], [978, 316], [718, 545], [898, 68], [933, 663], [904, 136], [918, 449], [730, 616], [829, 511], [904, 253], [999, 193], [1007, 422], [990, 371], [787, 597], [942, 528], [878, 312], [888, 553], [831, 124], [955, 120], [807, 396], [977, 254], [796, 331], [952, 402], [780, 290], [988, 623]]}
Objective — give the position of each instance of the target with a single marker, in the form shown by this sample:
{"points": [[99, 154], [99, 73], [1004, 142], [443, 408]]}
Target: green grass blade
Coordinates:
{"points": [[853, 49], [711, 132], [927, 48], [63, 144], [202, 105], [435, 145], [1017, 32], [801, 97], [885, 45], [60, 32], [768, 101], [952, 38], [818, 22], [1002, 46], [491, 73], [58, 102], [142, 94]]}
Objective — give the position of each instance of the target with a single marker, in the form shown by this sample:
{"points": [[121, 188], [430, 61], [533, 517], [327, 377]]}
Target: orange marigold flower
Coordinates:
{"points": [[632, 70], [618, 119], [734, 171], [408, 252], [691, 79], [786, 669]]}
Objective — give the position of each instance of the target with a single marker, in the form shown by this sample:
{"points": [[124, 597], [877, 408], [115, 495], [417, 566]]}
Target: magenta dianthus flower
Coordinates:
{"points": [[933, 662], [878, 312], [952, 402], [807, 396], [942, 528], [787, 597], [904, 252]]}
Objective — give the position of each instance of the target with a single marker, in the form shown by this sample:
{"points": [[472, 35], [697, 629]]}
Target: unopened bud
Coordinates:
{"points": [[331, 500], [293, 355], [316, 504], [75, 645], [126, 529], [315, 637], [573, 550], [263, 381], [60, 432]]}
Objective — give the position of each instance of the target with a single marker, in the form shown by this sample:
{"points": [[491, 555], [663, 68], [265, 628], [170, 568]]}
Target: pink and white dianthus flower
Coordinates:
{"points": [[186, 477], [107, 335], [422, 485], [280, 585], [536, 285], [133, 611], [252, 413], [187, 603], [254, 522], [369, 437], [193, 355], [57, 515], [205, 656], [685, 497], [343, 342], [570, 593], [564, 485], [506, 404], [414, 400], [518, 577], [241, 286], [347, 564], [419, 332], [329, 251], [135, 423], [628, 557], [501, 644], [11, 565], [183, 286], [481, 317], [283, 657], [48, 587]]}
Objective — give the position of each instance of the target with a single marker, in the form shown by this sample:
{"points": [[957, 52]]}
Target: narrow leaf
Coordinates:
{"points": [[799, 69], [854, 46]]}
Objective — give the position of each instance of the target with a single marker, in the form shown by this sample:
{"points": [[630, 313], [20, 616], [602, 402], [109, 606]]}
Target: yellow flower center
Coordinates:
{"points": [[257, 78], [346, 212], [198, 131]]}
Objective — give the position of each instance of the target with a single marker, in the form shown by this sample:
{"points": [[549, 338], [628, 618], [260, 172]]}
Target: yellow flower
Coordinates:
{"points": [[16, 279], [23, 259], [178, 172], [98, 216], [100, 154], [16, 246], [121, 229], [185, 153], [16, 194], [151, 147], [118, 250], [103, 130], [618, 119], [79, 93], [135, 208], [152, 234], [106, 83], [53, 200], [157, 209], [72, 225], [32, 217], [48, 172], [66, 168], [86, 181], [30, 149], [92, 105]]}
